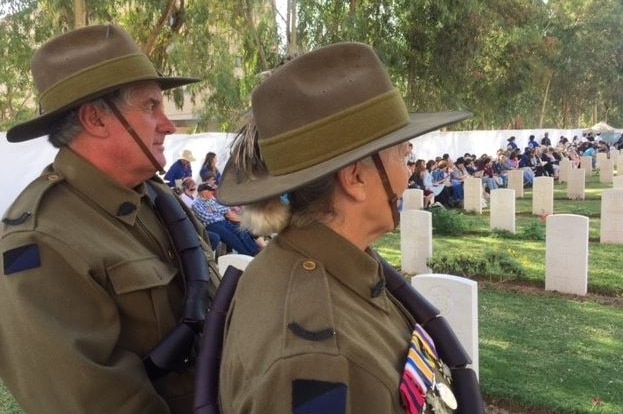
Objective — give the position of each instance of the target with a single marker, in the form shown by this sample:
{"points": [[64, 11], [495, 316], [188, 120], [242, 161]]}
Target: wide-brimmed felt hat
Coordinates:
{"points": [[320, 112], [82, 65], [188, 155], [205, 187]]}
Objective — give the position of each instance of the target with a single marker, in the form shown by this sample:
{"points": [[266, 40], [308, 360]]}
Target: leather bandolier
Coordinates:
{"points": [[175, 352], [464, 381]]}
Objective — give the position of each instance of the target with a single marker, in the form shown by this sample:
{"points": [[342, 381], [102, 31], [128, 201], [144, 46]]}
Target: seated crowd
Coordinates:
{"points": [[222, 223], [442, 179]]}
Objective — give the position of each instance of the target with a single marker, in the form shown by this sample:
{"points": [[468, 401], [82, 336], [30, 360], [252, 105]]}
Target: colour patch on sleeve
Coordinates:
{"points": [[21, 258], [318, 397]]}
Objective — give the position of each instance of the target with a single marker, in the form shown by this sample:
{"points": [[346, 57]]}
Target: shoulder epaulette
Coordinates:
{"points": [[20, 215], [309, 310]]}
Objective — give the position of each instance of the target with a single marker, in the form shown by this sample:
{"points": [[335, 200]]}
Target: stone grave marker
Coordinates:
{"points": [[515, 182], [239, 261], [577, 184], [599, 158], [457, 300], [606, 170], [413, 199], [543, 196], [566, 254], [586, 163], [502, 210], [472, 195], [563, 172], [416, 240], [612, 216], [617, 181]]}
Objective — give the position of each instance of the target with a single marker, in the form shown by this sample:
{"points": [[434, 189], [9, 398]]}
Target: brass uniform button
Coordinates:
{"points": [[309, 265], [53, 177]]}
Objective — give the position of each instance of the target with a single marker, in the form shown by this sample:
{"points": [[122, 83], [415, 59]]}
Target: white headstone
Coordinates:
{"points": [[416, 240], [543, 196], [614, 156], [599, 158], [566, 254], [515, 182], [606, 170], [239, 261], [413, 199], [457, 300], [577, 184], [612, 216], [503, 209], [472, 194], [563, 172], [586, 164], [617, 181]]}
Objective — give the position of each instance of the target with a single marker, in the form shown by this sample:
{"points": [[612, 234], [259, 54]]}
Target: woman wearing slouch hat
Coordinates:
{"points": [[312, 326]]}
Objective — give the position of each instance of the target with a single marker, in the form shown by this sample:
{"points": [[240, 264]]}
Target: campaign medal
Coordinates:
{"points": [[447, 396]]}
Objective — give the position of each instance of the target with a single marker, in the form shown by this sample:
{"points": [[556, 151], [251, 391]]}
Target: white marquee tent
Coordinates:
{"points": [[22, 162]]}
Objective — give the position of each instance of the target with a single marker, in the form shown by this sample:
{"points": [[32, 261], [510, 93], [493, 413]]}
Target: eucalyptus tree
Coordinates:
{"points": [[225, 43], [587, 84], [444, 54]]}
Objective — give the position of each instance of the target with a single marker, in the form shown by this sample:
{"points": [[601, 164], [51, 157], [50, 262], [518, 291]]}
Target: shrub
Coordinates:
{"points": [[489, 264], [449, 222], [533, 231]]}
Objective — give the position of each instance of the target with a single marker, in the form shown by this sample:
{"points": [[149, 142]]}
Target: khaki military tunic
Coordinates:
{"points": [[312, 329], [90, 284]]}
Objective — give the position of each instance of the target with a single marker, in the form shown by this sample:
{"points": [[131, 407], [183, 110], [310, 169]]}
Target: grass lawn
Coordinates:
{"points": [[551, 352]]}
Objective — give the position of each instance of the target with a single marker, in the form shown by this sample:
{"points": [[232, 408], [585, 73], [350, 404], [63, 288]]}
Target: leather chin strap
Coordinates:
{"points": [[133, 134], [392, 197]]}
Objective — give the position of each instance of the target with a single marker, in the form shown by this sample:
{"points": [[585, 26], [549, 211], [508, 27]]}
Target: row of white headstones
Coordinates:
{"points": [[566, 240], [566, 257]]}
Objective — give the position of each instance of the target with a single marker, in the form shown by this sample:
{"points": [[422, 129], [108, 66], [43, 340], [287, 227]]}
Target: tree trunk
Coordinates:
{"points": [[151, 41], [291, 49], [80, 14], [549, 81]]}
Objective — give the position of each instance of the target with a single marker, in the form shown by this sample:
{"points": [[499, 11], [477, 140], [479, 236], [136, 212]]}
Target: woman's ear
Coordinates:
{"points": [[354, 180]]}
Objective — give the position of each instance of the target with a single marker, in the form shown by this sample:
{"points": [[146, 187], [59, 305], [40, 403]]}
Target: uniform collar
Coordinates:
{"points": [[119, 201], [358, 270]]}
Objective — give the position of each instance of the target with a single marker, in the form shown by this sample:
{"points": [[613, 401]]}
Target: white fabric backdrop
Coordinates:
{"points": [[20, 163]]}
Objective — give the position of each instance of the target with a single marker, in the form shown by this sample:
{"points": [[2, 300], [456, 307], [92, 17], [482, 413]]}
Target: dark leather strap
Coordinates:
{"points": [[391, 195], [209, 361], [133, 133]]}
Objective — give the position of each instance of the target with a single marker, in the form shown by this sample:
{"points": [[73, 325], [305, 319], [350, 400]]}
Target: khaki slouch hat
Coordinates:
{"points": [[320, 112], [82, 65]]}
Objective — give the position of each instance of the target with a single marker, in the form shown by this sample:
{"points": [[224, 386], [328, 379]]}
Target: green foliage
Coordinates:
{"points": [[533, 231], [515, 63], [489, 264], [449, 222], [8, 405]]}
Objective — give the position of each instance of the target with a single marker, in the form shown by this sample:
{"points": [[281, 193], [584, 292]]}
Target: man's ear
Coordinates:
{"points": [[354, 180], [93, 120]]}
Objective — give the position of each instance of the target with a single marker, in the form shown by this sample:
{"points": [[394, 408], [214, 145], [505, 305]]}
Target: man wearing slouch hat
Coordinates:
{"points": [[314, 326], [99, 257]]}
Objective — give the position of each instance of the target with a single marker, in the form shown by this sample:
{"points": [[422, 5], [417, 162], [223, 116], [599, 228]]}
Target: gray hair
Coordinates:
{"points": [[309, 204], [65, 129]]}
